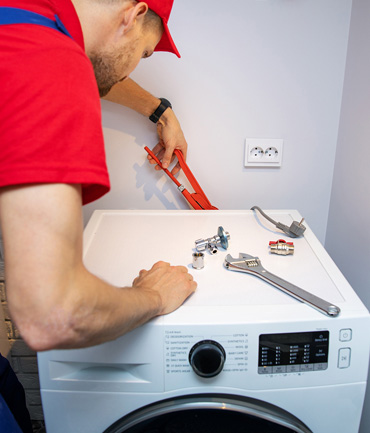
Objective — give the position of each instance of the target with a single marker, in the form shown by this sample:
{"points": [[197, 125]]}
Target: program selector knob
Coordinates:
{"points": [[207, 358]]}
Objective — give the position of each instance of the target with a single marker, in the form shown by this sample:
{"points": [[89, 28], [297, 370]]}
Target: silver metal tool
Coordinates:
{"points": [[252, 265], [212, 244]]}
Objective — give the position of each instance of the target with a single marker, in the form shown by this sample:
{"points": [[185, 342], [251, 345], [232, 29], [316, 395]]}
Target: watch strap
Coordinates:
{"points": [[162, 107]]}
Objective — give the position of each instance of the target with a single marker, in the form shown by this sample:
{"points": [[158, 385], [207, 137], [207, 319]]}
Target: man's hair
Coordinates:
{"points": [[151, 18]]}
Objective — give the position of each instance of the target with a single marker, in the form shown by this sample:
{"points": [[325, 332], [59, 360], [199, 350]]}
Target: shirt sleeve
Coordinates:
{"points": [[51, 116]]}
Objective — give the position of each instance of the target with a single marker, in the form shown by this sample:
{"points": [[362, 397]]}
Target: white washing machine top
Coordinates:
{"points": [[265, 344], [133, 240]]}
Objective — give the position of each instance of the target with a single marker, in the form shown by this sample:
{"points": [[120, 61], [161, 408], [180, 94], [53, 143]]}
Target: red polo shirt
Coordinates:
{"points": [[50, 114]]}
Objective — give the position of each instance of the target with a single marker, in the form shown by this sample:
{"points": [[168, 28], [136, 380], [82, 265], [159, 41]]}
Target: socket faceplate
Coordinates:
{"points": [[263, 152]]}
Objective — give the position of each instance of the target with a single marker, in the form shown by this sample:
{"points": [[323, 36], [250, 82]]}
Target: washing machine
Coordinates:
{"points": [[241, 354]]}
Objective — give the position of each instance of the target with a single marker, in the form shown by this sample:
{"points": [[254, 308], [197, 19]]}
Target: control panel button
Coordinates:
{"points": [[264, 370], [307, 367], [320, 367], [345, 335], [279, 369], [293, 369], [344, 357]]}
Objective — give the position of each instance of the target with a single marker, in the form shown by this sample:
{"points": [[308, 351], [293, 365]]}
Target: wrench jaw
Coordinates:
{"points": [[247, 256], [245, 263]]}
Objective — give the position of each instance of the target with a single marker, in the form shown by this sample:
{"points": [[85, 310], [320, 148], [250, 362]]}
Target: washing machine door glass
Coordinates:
{"points": [[209, 413]]}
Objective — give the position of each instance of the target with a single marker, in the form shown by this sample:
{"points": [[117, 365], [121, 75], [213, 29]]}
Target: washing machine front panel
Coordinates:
{"points": [[327, 409], [254, 359], [236, 335], [156, 357]]}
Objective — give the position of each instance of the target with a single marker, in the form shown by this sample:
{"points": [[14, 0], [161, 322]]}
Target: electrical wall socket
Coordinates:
{"points": [[263, 152]]}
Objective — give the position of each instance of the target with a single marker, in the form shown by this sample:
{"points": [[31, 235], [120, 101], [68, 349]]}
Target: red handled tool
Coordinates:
{"points": [[198, 200]]}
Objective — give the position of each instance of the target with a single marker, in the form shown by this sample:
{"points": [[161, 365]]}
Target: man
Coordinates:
{"points": [[54, 300], [52, 161]]}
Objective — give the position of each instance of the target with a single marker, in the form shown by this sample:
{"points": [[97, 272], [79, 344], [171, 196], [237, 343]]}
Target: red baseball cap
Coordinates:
{"points": [[163, 9]]}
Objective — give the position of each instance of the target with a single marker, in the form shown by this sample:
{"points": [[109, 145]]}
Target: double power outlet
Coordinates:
{"points": [[263, 152]]}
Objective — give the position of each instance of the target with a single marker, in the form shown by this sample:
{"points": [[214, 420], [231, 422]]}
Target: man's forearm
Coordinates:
{"points": [[131, 95], [94, 312], [55, 301], [101, 312]]}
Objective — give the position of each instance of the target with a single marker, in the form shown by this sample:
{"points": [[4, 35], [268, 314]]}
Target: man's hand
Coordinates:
{"points": [[171, 137], [173, 285]]}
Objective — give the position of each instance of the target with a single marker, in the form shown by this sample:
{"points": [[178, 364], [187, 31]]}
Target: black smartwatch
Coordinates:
{"points": [[162, 107]]}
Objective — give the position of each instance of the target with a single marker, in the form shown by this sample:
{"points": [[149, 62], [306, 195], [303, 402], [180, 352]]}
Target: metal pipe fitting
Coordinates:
{"points": [[198, 260], [212, 244]]}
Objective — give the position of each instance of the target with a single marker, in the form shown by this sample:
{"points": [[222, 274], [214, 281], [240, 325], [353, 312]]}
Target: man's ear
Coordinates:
{"points": [[133, 14]]}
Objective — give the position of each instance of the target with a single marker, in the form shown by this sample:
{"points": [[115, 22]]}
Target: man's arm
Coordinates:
{"points": [[53, 299], [171, 137]]}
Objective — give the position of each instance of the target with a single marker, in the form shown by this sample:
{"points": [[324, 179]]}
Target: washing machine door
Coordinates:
{"points": [[209, 413]]}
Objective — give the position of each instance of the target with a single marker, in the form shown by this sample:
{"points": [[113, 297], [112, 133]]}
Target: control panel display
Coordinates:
{"points": [[293, 352]]}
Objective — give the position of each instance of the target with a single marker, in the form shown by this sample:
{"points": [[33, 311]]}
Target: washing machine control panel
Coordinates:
{"points": [[205, 354], [293, 352]]}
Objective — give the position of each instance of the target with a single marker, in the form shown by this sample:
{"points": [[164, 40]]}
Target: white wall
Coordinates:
{"points": [[249, 68], [348, 232]]}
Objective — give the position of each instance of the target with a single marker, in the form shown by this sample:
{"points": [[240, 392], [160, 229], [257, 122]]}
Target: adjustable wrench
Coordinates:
{"points": [[252, 265]]}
